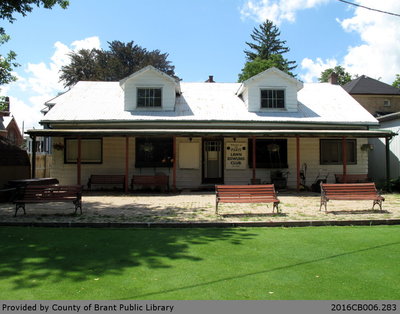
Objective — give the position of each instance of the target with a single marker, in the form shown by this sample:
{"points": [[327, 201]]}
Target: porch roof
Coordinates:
{"points": [[211, 132]]}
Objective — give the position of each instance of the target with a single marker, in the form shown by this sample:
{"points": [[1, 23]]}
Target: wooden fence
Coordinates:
{"points": [[43, 165]]}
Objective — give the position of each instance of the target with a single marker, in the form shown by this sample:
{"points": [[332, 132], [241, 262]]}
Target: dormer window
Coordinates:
{"points": [[149, 97], [272, 98]]}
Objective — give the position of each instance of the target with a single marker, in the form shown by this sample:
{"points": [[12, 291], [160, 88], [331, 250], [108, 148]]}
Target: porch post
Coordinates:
{"points": [[174, 164], [344, 158], [78, 162], [387, 148], [126, 163], [298, 162], [33, 170], [254, 160]]}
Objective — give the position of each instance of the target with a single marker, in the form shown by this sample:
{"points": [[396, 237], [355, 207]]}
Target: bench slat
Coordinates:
{"points": [[350, 191], [106, 179], [50, 193], [246, 194]]}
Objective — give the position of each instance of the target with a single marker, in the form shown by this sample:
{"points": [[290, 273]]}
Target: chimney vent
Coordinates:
{"points": [[210, 79], [333, 78]]}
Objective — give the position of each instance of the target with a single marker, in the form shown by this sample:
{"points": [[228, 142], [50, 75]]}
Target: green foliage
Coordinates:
{"points": [[4, 103], [396, 82], [8, 9], [258, 65], [268, 47], [120, 61], [7, 63], [343, 76]]}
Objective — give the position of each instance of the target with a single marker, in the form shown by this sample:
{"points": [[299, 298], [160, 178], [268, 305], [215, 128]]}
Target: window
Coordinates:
{"points": [[270, 153], [91, 151], [331, 152], [386, 103], [273, 98], [153, 152], [148, 97], [189, 155]]}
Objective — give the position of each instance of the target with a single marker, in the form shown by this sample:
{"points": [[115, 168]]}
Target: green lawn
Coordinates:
{"points": [[245, 263]]}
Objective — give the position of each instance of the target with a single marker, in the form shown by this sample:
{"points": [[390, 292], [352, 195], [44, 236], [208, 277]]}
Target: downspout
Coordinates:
{"points": [[387, 147], [33, 170]]}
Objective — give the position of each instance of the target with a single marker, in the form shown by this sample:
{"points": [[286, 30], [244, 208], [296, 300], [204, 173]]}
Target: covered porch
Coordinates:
{"points": [[303, 148]]}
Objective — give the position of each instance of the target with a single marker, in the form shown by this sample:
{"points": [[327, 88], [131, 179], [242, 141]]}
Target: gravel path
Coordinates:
{"points": [[198, 207]]}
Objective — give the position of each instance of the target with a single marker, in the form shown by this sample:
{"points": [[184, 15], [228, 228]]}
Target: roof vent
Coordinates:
{"points": [[210, 79]]}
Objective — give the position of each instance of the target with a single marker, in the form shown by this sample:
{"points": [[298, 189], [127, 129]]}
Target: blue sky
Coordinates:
{"points": [[201, 37]]}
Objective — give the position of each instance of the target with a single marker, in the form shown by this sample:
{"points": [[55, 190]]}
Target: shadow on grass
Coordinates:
{"points": [[31, 257], [240, 276]]}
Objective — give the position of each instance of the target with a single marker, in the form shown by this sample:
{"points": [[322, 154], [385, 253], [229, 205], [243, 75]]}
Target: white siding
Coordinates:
{"points": [[149, 79], [309, 155], [271, 81], [114, 163]]}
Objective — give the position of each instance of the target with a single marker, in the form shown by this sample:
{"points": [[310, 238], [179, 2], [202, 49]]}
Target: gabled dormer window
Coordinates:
{"points": [[149, 97], [272, 98]]}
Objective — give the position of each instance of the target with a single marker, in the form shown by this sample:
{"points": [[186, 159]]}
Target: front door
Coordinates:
{"points": [[212, 161]]}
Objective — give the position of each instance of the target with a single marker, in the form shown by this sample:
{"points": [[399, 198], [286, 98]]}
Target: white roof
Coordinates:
{"points": [[97, 101]]}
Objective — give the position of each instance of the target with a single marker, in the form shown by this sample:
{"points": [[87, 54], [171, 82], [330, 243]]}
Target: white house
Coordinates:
{"points": [[201, 134]]}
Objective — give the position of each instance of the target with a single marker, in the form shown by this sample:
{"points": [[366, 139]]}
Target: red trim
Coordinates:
{"points": [[344, 158], [254, 158], [126, 163], [298, 162], [78, 161]]}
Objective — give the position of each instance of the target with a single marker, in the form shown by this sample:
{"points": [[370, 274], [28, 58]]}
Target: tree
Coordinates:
{"points": [[266, 51], [7, 63], [396, 82], [259, 65], [8, 8], [121, 60], [343, 76], [267, 43]]}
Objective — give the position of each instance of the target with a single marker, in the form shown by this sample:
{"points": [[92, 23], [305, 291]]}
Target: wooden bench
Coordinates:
{"points": [[104, 179], [49, 194], [350, 192], [161, 181], [264, 193], [352, 178]]}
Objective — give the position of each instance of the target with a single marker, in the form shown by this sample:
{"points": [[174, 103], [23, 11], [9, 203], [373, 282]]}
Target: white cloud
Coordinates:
{"points": [[378, 55], [87, 43], [41, 83], [315, 68], [276, 10]]}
